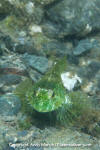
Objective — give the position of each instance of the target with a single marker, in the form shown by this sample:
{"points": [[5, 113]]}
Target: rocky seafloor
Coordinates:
{"points": [[32, 35]]}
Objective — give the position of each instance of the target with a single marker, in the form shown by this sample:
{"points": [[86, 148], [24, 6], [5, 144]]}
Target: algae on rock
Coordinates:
{"points": [[46, 100], [48, 94], [21, 90], [79, 112]]}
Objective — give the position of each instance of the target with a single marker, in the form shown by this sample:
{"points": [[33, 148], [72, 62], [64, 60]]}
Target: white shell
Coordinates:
{"points": [[69, 81], [35, 29]]}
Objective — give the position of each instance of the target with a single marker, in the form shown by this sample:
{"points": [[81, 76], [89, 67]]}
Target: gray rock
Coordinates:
{"points": [[51, 29], [12, 61], [10, 79], [38, 63], [23, 46], [56, 48], [89, 71], [34, 75], [22, 133], [4, 9], [72, 19], [9, 105], [5, 43], [84, 46], [3, 143], [7, 89]]}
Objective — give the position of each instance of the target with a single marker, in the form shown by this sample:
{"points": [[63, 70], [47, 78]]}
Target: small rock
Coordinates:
{"points": [[56, 48], [22, 133], [35, 29], [24, 46], [12, 61], [89, 71], [34, 75], [84, 46], [10, 79], [9, 105], [38, 63], [3, 143], [29, 7]]}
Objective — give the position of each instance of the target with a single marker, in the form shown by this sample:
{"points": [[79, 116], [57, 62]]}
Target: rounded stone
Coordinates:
{"points": [[9, 105]]}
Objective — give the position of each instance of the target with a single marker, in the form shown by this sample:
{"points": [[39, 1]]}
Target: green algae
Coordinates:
{"points": [[79, 113], [13, 23], [24, 124], [44, 100], [39, 39], [74, 109], [21, 91], [48, 96]]}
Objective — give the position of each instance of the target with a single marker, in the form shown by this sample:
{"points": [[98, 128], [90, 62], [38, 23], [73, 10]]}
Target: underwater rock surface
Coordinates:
{"points": [[72, 19], [37, 62], [9, 105], [84, 46]]}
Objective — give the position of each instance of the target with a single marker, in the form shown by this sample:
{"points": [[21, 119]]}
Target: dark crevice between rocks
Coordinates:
{"points": [[77, 37], [2, 16], [93, 33], [45, 119], [52, 4], [73, 59]]}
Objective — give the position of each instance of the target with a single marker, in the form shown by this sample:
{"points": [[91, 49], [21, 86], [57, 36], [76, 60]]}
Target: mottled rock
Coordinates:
{"points": [[9, 105], [72, 19], [72, 138], [38, 63], [51, 29], [24, 46], [39, 39], [56, 48], [5, 8], [3, 143], [22, 133], [27, 11], [84, 46], [89, 71], [34, 75], [11, 64], [10, 79]]}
